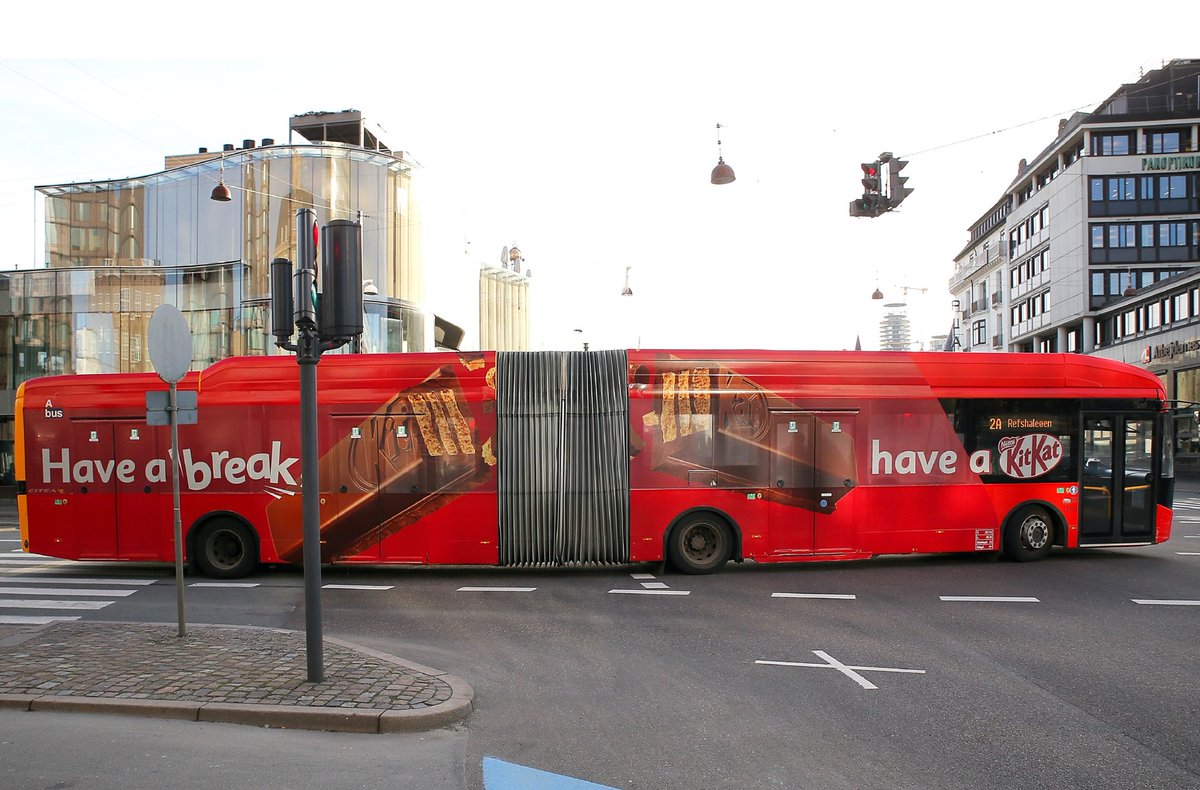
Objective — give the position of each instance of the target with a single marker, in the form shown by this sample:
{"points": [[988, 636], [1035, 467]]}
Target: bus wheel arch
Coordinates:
{"points": [[1030, 530], [223, 546], [701, 541]]}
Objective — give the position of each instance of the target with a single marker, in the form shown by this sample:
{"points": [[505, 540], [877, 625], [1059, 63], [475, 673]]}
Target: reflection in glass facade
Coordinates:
{"points": [[116, 250]]}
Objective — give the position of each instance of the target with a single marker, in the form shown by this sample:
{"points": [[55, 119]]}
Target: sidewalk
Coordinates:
{"points": [[254, 676]]}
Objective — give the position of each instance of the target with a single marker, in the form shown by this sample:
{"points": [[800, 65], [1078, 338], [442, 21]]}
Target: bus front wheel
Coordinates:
{"points": [[700, 543], [1028, 534], [225, 549]]}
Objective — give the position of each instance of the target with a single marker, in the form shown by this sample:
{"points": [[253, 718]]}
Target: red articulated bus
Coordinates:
{"points": [[609, 457]]}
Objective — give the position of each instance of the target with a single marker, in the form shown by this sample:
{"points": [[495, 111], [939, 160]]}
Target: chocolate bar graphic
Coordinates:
{"points": [[734, 444], [389, 469]]}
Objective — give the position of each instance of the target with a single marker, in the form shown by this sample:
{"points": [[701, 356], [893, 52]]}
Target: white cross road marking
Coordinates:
{"points": [[496, 589], [650, 592], [17, 619], [1150, 602], [58, 591], [823, 596], [223, 584], [642, 575], [357, 586], [989, 599], [851, 672], [654, 585], [21, 604]]}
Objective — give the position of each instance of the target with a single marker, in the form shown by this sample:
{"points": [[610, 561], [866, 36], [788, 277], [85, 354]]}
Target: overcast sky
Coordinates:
{"points": [[586, 134]]}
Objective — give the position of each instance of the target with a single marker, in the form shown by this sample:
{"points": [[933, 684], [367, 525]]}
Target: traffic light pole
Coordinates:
{"points": [[294, 308], [308, 354]]}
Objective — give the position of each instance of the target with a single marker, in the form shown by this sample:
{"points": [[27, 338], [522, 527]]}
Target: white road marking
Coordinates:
{"points": [[496, 589], [22, 604], [77, 580], [1188, 553], [57, 591], [642, 575], [223, 584], [851, 672], [828, 596], [32, 559], [17, 619], [358, 586], [650, 592], [989, 599], [1150, 602], [654, 585]]}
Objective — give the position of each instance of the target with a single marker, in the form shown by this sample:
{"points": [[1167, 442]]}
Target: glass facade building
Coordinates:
{"points": [[116, 250]]}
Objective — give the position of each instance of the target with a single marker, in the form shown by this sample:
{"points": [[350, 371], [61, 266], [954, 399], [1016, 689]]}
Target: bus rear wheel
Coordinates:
{"points": [[700, 543], [225, 549], [1028, 534]]}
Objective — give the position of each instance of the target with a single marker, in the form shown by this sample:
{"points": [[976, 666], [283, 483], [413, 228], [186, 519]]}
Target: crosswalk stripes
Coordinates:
{"points": [[27, 599]]}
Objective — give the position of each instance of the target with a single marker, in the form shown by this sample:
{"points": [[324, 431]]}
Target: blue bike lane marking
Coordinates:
{"points": [[499, 775]]}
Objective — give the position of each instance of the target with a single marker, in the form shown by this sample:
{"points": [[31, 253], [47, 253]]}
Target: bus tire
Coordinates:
{"points": [[700, 543], [225, 549], [1028, 534]]}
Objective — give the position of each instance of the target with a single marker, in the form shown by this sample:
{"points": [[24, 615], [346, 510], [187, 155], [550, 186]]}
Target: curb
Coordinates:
{"points": [[357, 720], [289, 717]]}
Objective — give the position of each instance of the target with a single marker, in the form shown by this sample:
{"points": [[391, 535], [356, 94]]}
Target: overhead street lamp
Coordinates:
{"points": [[722, 173]]}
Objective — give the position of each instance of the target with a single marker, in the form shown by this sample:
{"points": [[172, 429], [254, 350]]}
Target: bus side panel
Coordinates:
{"points": [[926, 518], [653, 510], [1162, 526], [463, 532]]}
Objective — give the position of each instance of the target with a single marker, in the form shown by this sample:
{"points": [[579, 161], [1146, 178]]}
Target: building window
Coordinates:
{"points": [[1162, 142], [978, 333], [1111, 144], [1121, 188], [1172, 186], [1179, 307], [1121, 236], [1172, 234], [1097, 237]]}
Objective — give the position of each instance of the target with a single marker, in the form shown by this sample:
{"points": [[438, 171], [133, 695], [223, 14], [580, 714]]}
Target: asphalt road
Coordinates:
{"points": [[1065, 681]]}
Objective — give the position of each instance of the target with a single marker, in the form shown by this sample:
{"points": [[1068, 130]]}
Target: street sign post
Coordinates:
{"points": [[170, 341]]}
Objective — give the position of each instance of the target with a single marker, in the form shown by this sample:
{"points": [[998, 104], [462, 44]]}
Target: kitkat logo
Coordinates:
{"points": [[1029, 456]]}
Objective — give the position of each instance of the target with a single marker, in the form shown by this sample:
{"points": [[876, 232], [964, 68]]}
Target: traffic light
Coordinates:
{"points": [[306, 269], [341, 308], [896, 189], [283, 320], [870, 181], [872, 203]]}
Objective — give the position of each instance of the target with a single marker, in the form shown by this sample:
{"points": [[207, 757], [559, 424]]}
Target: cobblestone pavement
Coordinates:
{"points": [[254, 675]]}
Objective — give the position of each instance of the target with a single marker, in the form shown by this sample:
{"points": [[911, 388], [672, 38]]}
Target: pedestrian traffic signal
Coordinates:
{"points": [[868, 206], [896, 189]]}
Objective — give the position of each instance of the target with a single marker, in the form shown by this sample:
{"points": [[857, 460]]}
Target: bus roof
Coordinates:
{"points": [[789, 374]]}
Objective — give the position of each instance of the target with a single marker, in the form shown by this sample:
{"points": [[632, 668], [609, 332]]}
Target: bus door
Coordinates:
{"points": [[1118, 497], [91, 507], [145, 510], [115, 510], [375, 474], [812, 469]]}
